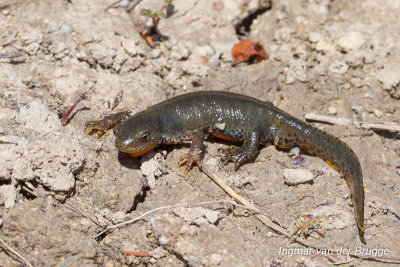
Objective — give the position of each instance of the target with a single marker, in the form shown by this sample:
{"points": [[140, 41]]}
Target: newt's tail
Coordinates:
{"points": [[343, 159], [333, 151]]}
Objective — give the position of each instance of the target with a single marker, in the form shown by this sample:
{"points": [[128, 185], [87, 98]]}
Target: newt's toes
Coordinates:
{"points": [[188, 161]]}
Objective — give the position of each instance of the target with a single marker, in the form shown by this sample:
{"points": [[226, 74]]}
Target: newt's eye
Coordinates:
{"points": [[143, 136]]}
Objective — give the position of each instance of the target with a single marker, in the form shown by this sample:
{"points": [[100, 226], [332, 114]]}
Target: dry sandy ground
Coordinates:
{"points": [[336, 58]]}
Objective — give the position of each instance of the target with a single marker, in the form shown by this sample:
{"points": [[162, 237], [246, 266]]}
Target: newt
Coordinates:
{"points": [[236, 118]]}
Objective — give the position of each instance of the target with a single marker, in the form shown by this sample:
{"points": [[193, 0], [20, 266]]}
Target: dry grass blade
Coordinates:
{"points": [[170, 207], [16, 253]]}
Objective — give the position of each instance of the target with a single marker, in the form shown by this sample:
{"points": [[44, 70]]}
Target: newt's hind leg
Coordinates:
{"points": [[239, 155], [284, 142], [194, 154]]}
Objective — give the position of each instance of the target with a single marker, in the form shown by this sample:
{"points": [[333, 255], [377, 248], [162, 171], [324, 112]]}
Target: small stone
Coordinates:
{"points": [[324, 46], [297, 176], [123, 3], [66, 29], [283, 34], [8, 195], [32, 48], [211, 215], [378, 113], [31, 35], [215, 259], [52, 26], [57, 48], [347, 86], [354, 58], [163, 240], [389, 76], [158, 253], [314, 37], [294, 151], [357, 109], [179, 52], [130, 46], [356, 82], [339, 67], [332, 110], [369, 58], [351, 41], [155, 53], [205, 50], [5, 170]]}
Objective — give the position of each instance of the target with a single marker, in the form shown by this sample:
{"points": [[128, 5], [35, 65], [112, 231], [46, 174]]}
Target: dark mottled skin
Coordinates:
{"points": [[237, 118]]}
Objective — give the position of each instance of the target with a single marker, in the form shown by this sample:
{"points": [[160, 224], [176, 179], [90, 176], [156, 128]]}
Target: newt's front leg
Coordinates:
{"points": [[100, 127], [194, 154], [248, 150]]}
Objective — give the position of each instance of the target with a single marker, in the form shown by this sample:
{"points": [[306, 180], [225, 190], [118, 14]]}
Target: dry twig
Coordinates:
{"points": [[331, 120], [381, 126], [16, 253], [387, 126], [170, 207], [90, 217]]}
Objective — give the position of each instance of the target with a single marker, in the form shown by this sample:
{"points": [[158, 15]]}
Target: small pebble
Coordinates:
{"points": [[163, 240], [66, 29], [297, 176], [351, 41], [314, 37], [332, 110], [378, 113], [215, 259], [339, 67], [294, 151]]}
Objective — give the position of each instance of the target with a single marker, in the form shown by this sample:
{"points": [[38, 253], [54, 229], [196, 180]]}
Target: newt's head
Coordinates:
{"points": [[137, 135]]}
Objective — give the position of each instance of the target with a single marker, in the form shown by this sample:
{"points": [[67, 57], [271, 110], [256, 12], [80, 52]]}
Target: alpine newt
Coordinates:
{"points": [[237, 118]]}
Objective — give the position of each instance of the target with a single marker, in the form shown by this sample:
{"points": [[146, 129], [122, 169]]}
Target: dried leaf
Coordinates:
{"points": [[248, 51]]}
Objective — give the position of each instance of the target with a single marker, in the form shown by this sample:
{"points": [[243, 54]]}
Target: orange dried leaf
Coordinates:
{"points": [[149, 40], [248, 51]]}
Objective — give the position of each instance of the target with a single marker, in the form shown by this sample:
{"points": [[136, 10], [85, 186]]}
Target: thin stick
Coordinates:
{"points": [[170, 207], [392, 210], [24, 187], [387, 126], [112, 5], [335, 261], [16, 253], [90, 217], [331, 120], [130, 8], [12, 54], [381, 126]]}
